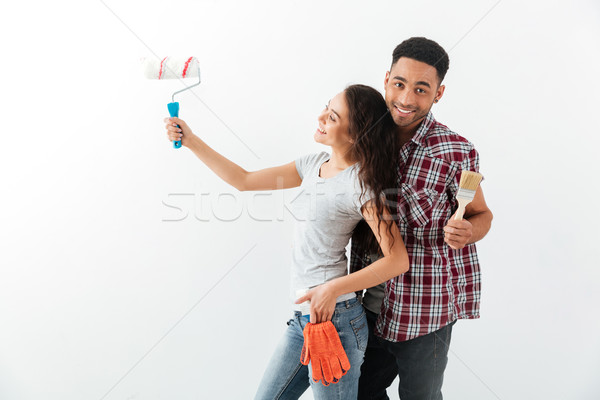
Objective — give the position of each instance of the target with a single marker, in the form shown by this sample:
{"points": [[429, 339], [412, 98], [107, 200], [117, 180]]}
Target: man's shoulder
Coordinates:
{"points": [[442, 142]]}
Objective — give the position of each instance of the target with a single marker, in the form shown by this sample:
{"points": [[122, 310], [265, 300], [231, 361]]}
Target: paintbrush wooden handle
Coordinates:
{"points": [[461, 210]]}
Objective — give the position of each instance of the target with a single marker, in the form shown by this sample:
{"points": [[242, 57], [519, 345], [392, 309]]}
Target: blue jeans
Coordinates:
{"points": [[287, 378], [419, 362]]}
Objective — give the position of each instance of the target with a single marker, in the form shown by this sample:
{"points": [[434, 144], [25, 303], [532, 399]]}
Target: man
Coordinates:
{"points": [[411, 319]]}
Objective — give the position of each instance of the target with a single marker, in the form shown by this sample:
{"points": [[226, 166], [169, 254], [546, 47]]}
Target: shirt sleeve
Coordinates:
{"points": [[358, 200], [470, 162], [306, 162]]}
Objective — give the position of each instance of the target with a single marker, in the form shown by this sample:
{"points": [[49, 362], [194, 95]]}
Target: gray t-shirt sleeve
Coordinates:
{"points": [[307, 162], [359, 200]]}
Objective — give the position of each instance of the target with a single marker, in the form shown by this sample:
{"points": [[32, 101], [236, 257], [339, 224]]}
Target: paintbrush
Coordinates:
{"points": [[469, 181]]}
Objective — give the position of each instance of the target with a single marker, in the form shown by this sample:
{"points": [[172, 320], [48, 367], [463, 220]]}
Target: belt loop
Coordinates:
{"points": [[349, 302]]}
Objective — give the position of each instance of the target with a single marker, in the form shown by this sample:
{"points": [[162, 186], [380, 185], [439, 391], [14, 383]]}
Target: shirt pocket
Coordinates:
{"points": [[417, 204]]}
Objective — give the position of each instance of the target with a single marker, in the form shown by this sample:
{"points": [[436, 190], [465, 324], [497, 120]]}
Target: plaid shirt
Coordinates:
{"points": [[442, 284]]}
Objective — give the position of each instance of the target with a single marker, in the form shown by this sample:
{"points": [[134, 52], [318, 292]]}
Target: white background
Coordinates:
{"points": [[104, 296]]}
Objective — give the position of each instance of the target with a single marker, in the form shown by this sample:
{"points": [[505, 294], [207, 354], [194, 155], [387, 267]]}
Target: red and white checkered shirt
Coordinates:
{"points": [[442, 284]]}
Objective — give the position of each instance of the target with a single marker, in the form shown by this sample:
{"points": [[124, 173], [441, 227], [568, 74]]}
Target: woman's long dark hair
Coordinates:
{"points": [[376, 149]]}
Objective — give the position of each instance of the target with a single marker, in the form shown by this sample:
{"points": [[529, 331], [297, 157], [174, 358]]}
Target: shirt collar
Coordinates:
{"points": [[421, 134]]}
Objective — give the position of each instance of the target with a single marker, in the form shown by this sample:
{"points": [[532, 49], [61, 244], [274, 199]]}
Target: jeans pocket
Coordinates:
{"points": [[361, 331]]}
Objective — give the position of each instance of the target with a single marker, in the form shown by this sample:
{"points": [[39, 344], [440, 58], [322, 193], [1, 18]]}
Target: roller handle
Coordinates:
{"points": [[174, 112]]}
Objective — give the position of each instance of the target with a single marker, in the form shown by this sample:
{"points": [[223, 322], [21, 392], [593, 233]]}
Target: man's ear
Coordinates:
{"points": [[387, 79], [440, 92]]}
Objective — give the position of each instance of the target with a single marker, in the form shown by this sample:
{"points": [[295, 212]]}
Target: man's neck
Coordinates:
{"points": [[405, 136], [406, 133]]}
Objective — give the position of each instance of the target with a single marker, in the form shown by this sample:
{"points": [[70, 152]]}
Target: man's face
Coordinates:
{"points": [[411, 86]]}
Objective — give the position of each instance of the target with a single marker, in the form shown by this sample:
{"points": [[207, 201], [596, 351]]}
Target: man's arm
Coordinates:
{"points": [[475, 225]]}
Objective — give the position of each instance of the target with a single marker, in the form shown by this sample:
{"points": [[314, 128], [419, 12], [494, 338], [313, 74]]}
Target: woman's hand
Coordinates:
{"points": [[322, 302], [183, 133]]}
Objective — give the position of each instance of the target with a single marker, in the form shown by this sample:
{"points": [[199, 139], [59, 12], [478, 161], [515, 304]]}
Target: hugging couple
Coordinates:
{"points": [[389, 182]]}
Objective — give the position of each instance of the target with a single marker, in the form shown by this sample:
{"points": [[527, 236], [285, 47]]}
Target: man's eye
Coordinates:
{"points": [[331, 117], [398, 84], [420, 90]]}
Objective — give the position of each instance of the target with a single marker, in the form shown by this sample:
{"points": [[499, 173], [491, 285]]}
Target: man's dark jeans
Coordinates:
{"points": [[420, 364]]}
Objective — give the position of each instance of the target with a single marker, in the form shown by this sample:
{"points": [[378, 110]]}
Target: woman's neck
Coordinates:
{"points": [[340, 158]]}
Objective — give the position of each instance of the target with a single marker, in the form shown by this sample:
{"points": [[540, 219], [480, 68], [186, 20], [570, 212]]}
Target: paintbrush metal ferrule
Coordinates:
{"points": [[465, 194]]}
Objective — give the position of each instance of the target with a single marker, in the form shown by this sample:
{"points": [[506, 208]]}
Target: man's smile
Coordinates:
{"points": [[404, 111]]}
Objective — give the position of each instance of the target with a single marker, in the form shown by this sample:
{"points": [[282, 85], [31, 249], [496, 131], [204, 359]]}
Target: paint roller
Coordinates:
{"points": [[172, 68]]}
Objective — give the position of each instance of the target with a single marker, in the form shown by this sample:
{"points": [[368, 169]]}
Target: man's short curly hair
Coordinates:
{"points": [[424, 50]]}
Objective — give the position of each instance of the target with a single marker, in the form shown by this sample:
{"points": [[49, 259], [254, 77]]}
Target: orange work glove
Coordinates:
{"points": [[322, 347]]}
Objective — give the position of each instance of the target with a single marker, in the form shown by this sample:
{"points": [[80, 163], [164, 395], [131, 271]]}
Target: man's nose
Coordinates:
{"points": [[406, 98]]}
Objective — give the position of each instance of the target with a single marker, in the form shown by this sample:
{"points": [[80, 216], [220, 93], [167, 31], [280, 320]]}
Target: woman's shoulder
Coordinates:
{"points": [[321, 155], [312, 158], [307, 162]]}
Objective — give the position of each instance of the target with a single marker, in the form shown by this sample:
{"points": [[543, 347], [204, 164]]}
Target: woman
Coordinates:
{"points": [[338, 191]]}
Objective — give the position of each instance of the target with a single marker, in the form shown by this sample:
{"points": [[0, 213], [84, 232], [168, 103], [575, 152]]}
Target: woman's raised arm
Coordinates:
{"points": [[281, 177]]}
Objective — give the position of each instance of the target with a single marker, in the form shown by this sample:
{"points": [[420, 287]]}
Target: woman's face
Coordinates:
{"points": [[333, 121]]}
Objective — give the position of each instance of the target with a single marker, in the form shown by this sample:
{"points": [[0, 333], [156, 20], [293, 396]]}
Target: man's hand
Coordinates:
{"points": [[322, 303], [458, 233]]}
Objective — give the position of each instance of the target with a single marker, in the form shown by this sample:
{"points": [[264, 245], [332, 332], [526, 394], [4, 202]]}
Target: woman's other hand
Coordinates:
{"points": [[322, 303]]}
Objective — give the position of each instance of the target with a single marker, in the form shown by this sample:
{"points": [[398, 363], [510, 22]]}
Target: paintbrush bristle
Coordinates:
{"points": [[470, 180]]}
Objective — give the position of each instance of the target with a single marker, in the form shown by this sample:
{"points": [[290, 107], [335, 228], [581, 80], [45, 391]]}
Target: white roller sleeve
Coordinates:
{"points": [[170, 67]]}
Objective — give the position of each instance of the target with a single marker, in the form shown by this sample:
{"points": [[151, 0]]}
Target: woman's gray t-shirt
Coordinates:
{"points": [[326, 212]]}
